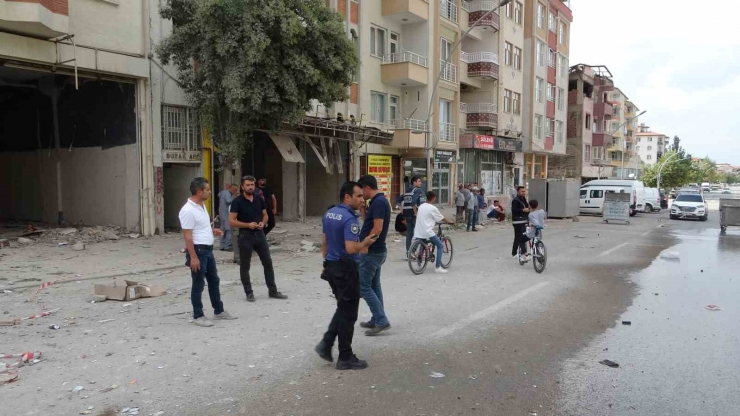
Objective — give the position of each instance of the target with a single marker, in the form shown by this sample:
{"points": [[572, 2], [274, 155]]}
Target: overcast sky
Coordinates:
{"points": [[677, 59]]}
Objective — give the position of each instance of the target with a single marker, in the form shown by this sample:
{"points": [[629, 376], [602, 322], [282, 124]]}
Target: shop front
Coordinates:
{"points": [[487, 161], [441, 169]]}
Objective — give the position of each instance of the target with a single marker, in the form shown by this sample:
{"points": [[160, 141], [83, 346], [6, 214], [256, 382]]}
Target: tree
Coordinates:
{"points": [[676, 144], [256, 64], [676, 173], [704, 170]]}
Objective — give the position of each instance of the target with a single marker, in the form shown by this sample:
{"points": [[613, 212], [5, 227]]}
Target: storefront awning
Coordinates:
{"points": [[287, 148]]}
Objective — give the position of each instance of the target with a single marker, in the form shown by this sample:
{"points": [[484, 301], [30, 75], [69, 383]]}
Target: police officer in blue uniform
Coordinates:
{"points": [[411, 201], [341, 247]]}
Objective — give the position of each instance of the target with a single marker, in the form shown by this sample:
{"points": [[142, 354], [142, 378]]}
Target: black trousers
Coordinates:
{"points": [[270, 221], [520, 239], [249, 241], [344, 278]]}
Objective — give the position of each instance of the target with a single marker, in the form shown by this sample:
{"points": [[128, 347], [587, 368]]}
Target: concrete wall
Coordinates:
{"points": [[99, 186]]}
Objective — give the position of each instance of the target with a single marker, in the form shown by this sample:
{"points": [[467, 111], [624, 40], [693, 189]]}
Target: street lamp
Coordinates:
{"points": [[624, 145], [439, 77]]}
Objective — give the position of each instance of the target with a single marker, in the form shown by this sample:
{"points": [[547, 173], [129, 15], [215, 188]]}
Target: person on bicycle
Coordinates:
{"points": [[426, 218], [536, 217], [519, 213], [412, 199]]}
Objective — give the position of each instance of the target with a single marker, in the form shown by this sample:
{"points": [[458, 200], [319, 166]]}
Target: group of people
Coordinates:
{"points": [[470, 202]]}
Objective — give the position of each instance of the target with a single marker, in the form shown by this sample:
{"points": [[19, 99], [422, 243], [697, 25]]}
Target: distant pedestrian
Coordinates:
{"points": [[341, 248], [411, 201], [224, 201], [249, 215], [376, 220], [519, 213], [271, 201], [459, 204], [199, 235], [471, 206], [481, 207]]}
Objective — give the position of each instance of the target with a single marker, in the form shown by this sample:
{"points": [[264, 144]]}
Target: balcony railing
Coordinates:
{"points": [[447, 132], [449, 71], [473, 57], [480, 108], [482, 6], [448, 10], [465, 5], [393, 58], [409, 124]]}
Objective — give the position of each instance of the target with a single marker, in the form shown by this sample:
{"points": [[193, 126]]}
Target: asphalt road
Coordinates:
{"points": [[513, 342]]}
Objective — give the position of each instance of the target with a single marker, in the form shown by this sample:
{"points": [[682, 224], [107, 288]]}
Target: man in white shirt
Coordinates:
{"points": [[427, 217], [198, 231]]}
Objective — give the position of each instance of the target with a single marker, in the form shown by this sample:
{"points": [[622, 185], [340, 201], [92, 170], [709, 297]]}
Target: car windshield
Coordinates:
{"points": [[689, 198]]}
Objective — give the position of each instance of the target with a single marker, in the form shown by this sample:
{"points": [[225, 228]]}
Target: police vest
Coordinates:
{"points": [[408, 202]]}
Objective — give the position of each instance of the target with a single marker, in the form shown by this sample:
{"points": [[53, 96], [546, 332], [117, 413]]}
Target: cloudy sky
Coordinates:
{"points": [[677, 59]]}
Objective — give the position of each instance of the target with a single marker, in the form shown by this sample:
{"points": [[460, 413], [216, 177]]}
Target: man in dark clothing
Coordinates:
{"points": [[269, 197], [519, 212], [249, 215], [401, 223], [411, 201], [341, 248]]}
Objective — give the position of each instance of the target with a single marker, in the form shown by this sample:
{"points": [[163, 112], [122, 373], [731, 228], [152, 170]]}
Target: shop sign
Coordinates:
{"points": [[381, 167], [181, 156], [444, 156], [508, 145], [485, 142]]}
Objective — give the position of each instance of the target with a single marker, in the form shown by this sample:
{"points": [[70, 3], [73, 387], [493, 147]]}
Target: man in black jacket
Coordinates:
{"points": [[519, 214]]}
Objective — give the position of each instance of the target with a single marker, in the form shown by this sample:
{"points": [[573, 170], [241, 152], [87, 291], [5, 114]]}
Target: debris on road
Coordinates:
{"points": [[713, 308], [670, 255], [23, 240], [579, 236], [130, 411], [77, 389], [53, 326], [626, 322], [17, 321], [609, 363], [79, 246], [122, 289], [436, 375]]}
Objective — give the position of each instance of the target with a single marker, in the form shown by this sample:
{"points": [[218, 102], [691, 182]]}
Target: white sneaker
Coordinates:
{"points": [[515, 257], [441, 270], [202, 321], [224, 316]]}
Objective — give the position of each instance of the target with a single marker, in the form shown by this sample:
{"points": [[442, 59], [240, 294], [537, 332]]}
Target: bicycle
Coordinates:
{"points": [[538, 250], [421, 252]]}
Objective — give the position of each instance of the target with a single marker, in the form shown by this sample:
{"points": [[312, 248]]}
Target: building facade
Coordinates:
{"points": [[546, 57], [650, 146]]}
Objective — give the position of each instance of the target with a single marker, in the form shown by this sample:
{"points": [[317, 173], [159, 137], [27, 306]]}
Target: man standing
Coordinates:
{"points": [[411, 201], [341, 249], [460, 203], [249, 214], [519, 212], [470, 205], [376, 220], [196, 228], [224, 200], [271, 201]]}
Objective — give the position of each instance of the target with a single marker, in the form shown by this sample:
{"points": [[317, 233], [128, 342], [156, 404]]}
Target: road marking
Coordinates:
{"points": [[613, 249], [462, 323]]}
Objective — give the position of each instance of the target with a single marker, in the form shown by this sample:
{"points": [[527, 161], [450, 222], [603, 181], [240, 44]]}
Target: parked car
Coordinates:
{"points": [[690, 205], [652, 200], [726, 191]]}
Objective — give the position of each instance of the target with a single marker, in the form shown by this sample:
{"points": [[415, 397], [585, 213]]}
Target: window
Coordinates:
{"points": [[377, 107], [180, 128], [650, 139], [550, 92], [540, 16], [639, 140], [517, 58], [446, 128], [649, 157], [538, 127], [561, 101], [637, 148], [517, 103], [588, 120], [587, 153], [559, 131], [394, 113], [540, 53], [550, 127], [596, 152], [597, 193], [563, 62], [584, 193], [518, 7], [508, 10], [615, 126], [377, 41], [538, 92], [552, 23], [445, 50], [394, 48], [507, 101], [650, 148], [507, 53], [552, 58], [561, 35]]}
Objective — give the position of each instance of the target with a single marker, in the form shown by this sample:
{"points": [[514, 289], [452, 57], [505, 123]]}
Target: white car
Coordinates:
{"points": [[690, 206]]}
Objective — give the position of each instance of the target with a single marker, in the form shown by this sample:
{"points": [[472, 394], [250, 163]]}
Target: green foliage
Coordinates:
{"points": [[676, 173], [255, 64], [704, 170]]}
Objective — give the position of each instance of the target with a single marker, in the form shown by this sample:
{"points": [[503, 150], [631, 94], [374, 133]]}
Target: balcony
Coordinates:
{"points": [[601, 139], [480, 115], [481, 64], [404, 69], [36, 18], [603, 110], [478, 8], [408, 134], [447, 132], [406, 12], [448, 10], [449, 71]]}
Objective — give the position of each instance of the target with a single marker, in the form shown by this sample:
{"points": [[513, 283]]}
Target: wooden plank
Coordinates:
{"points": [[315, 150], [326, 156]]}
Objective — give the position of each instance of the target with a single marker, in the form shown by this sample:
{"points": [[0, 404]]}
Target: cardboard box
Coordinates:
{"points": [[120, 290], [145, 291]]}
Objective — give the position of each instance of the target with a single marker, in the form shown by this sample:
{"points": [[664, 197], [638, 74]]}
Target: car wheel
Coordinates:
{"points": [[648, 208], [704, 218]]}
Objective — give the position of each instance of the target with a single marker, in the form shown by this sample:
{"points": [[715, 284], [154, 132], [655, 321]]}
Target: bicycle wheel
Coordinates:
{"points": [[447, 257], [539, 257], [418, 257]]}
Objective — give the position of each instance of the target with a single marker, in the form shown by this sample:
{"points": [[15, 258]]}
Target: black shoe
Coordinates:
{"points": [[377, 329], [475, 229], [250, 297], [353, 363], [324, 352], [278, 295], [367, 325]]}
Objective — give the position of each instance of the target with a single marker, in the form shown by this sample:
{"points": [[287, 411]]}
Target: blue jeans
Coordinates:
{"points": [[370, 290], [440, 249], [472, 218], [207, 273]]}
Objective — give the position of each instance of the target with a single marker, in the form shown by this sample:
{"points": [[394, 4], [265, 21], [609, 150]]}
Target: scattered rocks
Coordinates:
{"points": [[66, 231], [79, 246]]}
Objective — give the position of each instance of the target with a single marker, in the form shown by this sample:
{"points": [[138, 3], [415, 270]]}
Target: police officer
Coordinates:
{"points": [[341, 247], [411, 201]]}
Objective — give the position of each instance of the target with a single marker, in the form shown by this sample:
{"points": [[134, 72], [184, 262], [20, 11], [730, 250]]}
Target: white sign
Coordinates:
{"points": [[181, 156]]}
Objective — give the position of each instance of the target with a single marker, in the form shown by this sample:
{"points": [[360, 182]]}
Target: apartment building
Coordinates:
{"points": [[620, 153], [546, 56], [86, 111], [649, 145]]}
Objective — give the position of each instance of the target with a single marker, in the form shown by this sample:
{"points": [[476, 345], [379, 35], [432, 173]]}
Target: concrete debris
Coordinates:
{"points": [[23, 240], [130, 411], [97, 298], [609, 363], [670, 255], [713, 308], [67, 231], [77, 389], [626, 322], [134, 235], [578, 236], [79, 246], [436, 375]]}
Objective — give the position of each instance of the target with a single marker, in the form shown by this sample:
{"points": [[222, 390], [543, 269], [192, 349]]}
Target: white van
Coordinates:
{"points": [[652, 199], [593, 202]]}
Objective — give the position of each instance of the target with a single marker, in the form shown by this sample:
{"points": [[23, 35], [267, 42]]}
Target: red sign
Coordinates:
{"points": [[485, 142]]}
